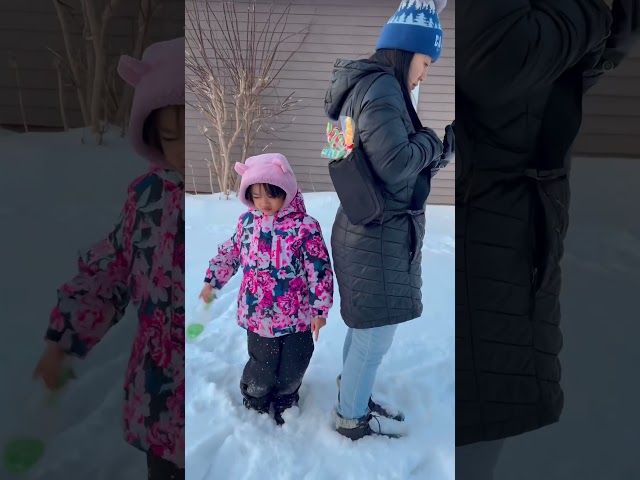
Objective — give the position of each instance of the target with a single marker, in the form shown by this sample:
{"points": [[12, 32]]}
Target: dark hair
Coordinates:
{"points": [[400, 62], [272, 190], [150, 133]]}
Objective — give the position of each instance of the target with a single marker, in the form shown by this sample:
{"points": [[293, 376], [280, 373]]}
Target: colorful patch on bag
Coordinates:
{"points": [[340, 143]]}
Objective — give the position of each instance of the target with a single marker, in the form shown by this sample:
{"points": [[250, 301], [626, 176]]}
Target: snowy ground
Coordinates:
{"points": [[224, 440], [43, 224], [58, 196], [598, 435]]}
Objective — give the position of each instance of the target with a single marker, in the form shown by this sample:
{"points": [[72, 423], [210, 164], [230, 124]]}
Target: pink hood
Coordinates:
{"points": [[271, 168], [158, 79]]}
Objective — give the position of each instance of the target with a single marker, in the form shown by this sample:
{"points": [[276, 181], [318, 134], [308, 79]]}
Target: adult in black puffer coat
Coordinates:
{"points": [[520, 78], [377, 265]]}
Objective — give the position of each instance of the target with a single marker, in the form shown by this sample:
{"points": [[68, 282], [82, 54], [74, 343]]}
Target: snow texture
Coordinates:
{"points": [[59, 196], [46, 226], [224, 440], [597, 436]]}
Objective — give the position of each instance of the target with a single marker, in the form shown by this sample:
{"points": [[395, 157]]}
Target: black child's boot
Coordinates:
{"points": [[260, 405], [282, 403]]}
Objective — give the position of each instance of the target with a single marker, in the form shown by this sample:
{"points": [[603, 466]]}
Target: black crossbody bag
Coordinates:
{"points": [[358, 189]]}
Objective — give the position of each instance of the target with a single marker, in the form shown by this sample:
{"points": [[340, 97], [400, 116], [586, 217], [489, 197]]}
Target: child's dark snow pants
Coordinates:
{"points": [[160, 469], [275, 369]]}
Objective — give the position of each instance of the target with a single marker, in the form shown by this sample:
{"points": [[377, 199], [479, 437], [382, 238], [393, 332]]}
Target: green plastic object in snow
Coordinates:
{"points": [[21, 453], [196, 328]]}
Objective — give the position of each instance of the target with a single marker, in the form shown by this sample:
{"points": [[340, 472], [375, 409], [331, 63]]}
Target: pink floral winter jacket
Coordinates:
{"points": [[288, 279], [141, 261]]}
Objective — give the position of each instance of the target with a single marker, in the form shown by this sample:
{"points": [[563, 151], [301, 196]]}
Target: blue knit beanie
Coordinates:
{"points": [[414, 28]]}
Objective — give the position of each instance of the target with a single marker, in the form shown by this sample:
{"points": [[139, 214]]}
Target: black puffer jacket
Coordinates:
{"points": [[519, 88], [379, 278]]}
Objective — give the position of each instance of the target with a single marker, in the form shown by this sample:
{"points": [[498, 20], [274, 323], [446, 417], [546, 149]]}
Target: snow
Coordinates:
{"points": [[62, 196], [224, 440], [597, 436], [44, 223]]}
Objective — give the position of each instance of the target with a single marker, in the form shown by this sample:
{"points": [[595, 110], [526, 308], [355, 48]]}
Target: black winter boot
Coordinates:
{"points": [[357, 428], [259, 405], [375, 407], [282, 403]]}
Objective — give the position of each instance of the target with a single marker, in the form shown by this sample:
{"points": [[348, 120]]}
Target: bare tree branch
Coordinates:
{"points": [[71, 63], [103, 99], [13, 63], [233, 77], [146, 11], [58, 67]]}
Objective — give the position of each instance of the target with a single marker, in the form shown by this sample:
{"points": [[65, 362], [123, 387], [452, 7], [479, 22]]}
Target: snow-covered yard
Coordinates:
{"points": [[224, 440], [59, 196], [62, 196], [598, 434]]}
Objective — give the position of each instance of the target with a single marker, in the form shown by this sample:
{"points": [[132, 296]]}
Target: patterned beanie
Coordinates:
{"points": [[415, 28]]}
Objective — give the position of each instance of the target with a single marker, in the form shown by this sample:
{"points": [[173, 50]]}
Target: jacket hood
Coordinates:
{"points": [[345, 76], [158, 82], [271, 168]]}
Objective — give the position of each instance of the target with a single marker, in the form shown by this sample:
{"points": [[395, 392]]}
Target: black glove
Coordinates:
{"points": [[449, 144], [448, 150], [625, 29], [625, 34]]}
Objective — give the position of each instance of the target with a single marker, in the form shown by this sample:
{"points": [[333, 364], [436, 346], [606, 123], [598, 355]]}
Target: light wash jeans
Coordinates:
{"points": [[478, 461], [361, 356]]}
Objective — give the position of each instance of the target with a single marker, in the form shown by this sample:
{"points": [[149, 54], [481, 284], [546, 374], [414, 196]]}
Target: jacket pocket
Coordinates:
{"points": [[417, 230], [551, 210]]}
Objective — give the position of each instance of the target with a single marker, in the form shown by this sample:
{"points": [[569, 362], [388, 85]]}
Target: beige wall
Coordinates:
{"points": [[28, 28], [339, 30]]}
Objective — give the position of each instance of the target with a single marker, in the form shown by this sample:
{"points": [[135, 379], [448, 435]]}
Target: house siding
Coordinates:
{"points": [[28, 29], [611, 113], [337, 30]]}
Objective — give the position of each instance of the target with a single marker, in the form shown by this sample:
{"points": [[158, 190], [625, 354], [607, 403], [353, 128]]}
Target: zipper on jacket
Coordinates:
{"points": [[278, 248]]}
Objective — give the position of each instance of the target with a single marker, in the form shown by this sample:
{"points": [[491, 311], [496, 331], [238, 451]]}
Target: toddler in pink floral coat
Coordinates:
{"points": [[141, 262], [287, 288]]}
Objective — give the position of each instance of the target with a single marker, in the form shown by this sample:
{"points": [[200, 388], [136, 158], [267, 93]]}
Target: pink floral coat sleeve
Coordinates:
{"points": [[95, 299], [141, 262], [226, 263], [317, 265]]}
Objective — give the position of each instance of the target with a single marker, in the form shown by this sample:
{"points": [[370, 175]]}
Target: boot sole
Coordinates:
{"points": [[354, 437]]}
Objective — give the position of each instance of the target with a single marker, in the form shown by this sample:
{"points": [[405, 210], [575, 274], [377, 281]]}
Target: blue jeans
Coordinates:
{"points": [[478, 461], [361, 356]]}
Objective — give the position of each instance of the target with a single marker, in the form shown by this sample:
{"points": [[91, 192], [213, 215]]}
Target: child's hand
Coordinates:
{"points": [[317, 324], [50, 365], [207, 293]]}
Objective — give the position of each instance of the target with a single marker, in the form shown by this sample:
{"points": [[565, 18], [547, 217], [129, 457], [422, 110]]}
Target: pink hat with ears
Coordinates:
{"points": [[271, 168], [158, 79]]}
